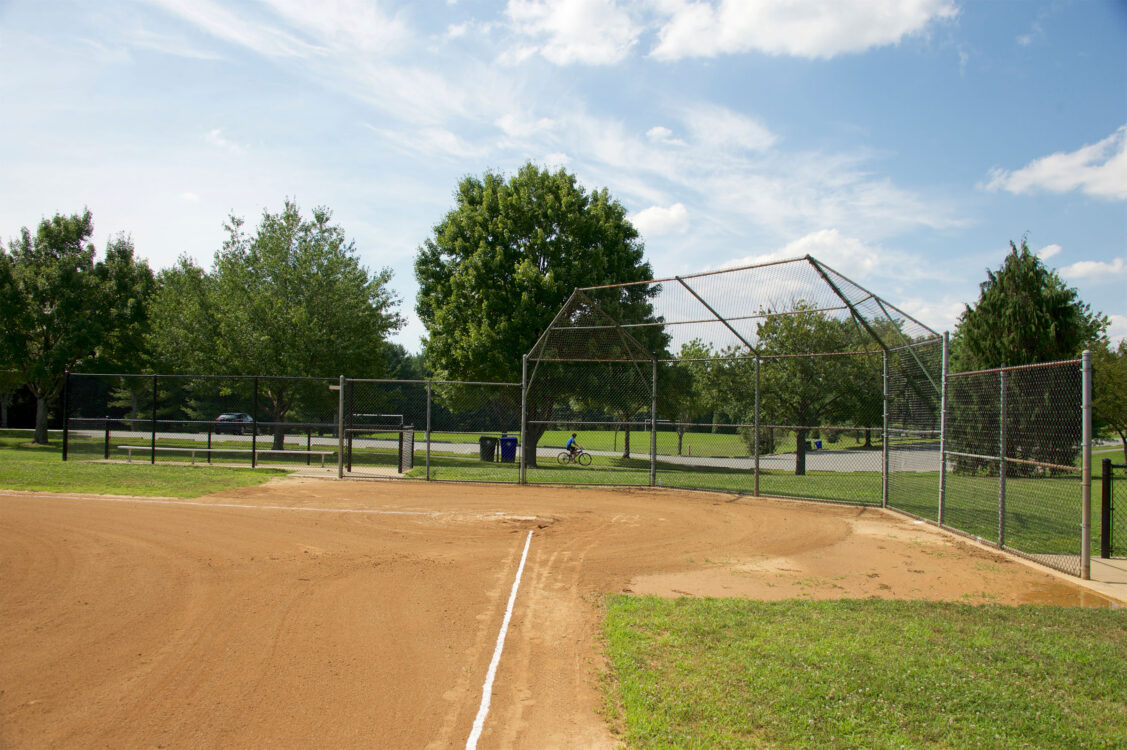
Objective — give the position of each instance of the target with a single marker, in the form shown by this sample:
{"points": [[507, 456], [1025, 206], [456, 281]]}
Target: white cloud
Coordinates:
{"points": [[1048, 251], [1117, 330], [214, 18], [359, 25], [215, 138], [721, 127], [1097, 270], [589, 32], [520, 125], [190, 197], [1098, 170], [657, 220], [802, 28]]}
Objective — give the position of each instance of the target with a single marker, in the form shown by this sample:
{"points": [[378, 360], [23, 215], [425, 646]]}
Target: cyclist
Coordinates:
{"points": [[573, 447]]}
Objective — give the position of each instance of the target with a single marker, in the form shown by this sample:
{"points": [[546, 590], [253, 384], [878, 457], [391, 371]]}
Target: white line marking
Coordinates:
{"points": [[487, 688], [110, 499]]}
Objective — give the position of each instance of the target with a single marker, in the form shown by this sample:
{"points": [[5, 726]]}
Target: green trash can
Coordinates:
{"points": [[487, 448]]}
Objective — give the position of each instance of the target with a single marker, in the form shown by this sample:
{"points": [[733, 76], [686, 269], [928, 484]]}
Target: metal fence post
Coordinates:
{"points": [[884, 439], [106, 447], [428, 429], [153, 443], [757, 425], [254, 429], [524, 419], [1086, 475], [340, 428], [943, 428], [653, 429], [66, 412], [1105, 509], [1002, 462]]}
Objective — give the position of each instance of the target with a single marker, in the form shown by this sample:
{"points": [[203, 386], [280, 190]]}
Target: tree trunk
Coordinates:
{"points": [[680, 439], [800, 453], [5, 399], [1123, 438], [133, 406], [868, 437], [533, 433], [626, 443], [40, 420]]}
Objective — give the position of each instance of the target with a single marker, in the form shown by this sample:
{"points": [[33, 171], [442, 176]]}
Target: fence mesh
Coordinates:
{"points": [[201, 419], [765, 379], [1013, 460]]}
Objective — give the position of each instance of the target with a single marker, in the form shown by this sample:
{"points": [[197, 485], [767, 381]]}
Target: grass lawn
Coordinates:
{"points": [[871, 673], [25, 466]]}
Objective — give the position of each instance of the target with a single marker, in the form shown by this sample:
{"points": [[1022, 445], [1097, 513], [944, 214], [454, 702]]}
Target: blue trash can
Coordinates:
{"points": [[508, 450], [817, 445]]}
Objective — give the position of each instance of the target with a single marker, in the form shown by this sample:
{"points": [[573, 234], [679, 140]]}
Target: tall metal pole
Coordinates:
{"points": [[653, 430], [884, 440], [1086, 470], [757, 425], [153, 438], [340, 428], [428, 430], [66, 412], [943, 429], [254, 429], [524, 419], [1002, 462]]}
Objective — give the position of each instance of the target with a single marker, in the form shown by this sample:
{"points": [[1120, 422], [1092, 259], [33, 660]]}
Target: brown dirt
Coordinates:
{"points": [[164, 624]]}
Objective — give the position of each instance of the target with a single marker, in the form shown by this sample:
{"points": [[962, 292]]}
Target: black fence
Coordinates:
{"points": [[1113, 519]]}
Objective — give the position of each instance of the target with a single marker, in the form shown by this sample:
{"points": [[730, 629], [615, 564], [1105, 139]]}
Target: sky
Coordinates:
{"points": [[904, 144]]}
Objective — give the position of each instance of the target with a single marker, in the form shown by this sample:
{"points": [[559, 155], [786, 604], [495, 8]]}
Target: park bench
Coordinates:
{"points": [[193, 451]]}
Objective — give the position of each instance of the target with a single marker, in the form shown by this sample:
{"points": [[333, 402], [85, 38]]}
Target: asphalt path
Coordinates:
{"points": [[921, 458]]}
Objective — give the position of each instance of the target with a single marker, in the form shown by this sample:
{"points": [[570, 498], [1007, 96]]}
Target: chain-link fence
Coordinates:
{"points": [[1113, 514], [444, 430], [243, 420], [1013, 460], [766, 379], [783, 379]]}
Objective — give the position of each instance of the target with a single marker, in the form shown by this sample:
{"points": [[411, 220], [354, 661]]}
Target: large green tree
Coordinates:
{"points": [[806, 392], [1024, 314], [500, 264], [292, 299], [1110, 390], [61, 308]]}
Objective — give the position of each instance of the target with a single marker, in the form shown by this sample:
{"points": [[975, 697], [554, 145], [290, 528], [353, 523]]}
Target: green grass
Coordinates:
{"points": [[702, 673], [25, 466]]}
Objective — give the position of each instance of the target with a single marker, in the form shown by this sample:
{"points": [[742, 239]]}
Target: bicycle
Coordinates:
{"points": [[582, 457]]}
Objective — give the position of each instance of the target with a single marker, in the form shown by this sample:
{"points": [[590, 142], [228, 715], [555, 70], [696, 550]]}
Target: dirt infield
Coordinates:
{"points": [[311, 613]]}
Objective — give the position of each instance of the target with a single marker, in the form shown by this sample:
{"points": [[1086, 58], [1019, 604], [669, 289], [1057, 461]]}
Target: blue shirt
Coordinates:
{"points": [[570, 442]]}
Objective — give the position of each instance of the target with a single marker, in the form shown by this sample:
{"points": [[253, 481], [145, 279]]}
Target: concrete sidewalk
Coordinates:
{"points": [[1109, 578]]}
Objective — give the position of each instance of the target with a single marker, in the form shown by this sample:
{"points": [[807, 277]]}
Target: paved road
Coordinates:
{"points": [[908, 459]]}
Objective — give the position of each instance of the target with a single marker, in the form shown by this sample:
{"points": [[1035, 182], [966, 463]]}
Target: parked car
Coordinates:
{"points": [[234, 422]]}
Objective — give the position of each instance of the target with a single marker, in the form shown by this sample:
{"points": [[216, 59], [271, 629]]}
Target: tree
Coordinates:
{"points": [[1109, 401], [1025, 314], [58, 319], [807, 391], [499, 266], [290, 300]]}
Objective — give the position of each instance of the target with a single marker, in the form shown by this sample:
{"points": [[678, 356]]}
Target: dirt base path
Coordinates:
{"points": [[310, 613]]}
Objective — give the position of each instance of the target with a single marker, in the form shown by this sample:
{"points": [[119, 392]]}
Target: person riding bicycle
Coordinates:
{"points": [[573, 447]]}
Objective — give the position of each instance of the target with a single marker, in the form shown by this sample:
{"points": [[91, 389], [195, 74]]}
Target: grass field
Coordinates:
{"points": [[865, 673], [25, 466]]}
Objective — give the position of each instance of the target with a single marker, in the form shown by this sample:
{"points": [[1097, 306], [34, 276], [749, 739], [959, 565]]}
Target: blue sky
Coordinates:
{"points": [[902, 143]]}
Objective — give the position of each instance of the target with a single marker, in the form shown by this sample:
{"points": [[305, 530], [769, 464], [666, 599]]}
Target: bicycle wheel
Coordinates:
{"points": [[584, 459], [563, 458]]}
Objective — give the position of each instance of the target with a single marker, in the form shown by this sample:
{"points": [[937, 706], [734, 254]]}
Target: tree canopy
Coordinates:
{"points": [[292, 299], [502, 262], [1024, 314], [1109, 401], [63, 308]]}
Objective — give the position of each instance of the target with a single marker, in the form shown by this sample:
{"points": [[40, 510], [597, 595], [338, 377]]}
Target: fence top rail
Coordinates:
{"points": [[1013, 368], [431, 382], [150, 375], [696, 275]]}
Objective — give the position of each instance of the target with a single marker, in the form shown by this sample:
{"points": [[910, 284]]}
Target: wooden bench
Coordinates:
{"points": [[193, 451]]}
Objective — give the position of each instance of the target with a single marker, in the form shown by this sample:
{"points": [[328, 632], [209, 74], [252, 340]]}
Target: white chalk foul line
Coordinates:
{"points": [[487, 688]]}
